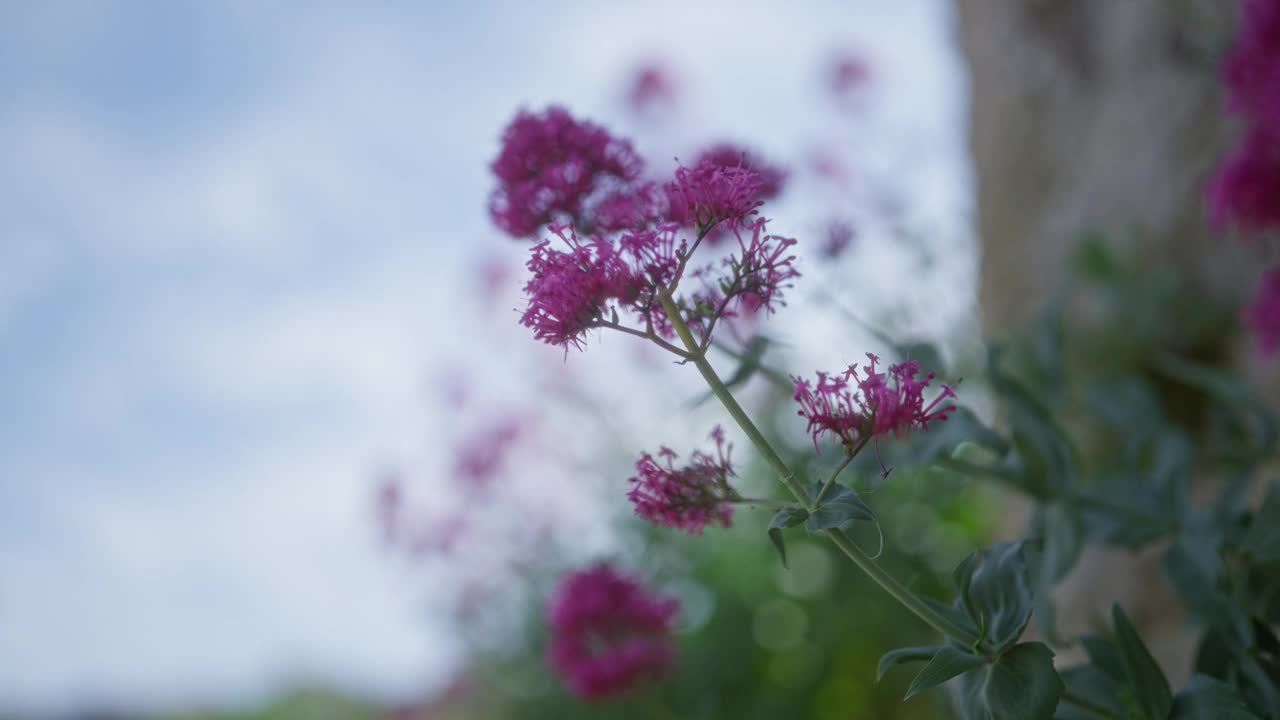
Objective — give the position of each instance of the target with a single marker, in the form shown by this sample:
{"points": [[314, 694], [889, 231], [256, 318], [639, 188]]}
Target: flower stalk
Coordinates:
{"points": [[788, 478]]}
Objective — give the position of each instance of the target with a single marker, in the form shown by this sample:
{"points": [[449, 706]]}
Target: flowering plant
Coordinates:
{"points": [[647, 259]]}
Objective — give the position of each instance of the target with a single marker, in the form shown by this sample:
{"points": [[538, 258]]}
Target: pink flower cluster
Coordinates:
{"points": [[652, 88], [479, 456], [840, 236], [1252, 70], [855, 407], [762, 268], [1263, 315], [847, 74], [709, 194], [688, 498], [728, 155], [1245, 190], [631, 250], [548, 166], [609, 633], [570, 289]]}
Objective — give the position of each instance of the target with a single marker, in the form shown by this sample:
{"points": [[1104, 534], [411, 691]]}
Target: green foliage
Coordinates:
{"points": [[1207, 699], [1021, 684], [995, 591], [945, 664], [785, 518], [1144, 678], [1144, 421], [839, 509]]}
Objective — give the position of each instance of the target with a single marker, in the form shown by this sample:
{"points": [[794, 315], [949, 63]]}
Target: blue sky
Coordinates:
{"points": [[233, 239]]}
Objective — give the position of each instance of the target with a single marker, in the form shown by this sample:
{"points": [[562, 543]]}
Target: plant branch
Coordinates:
{"points": [[900, 592], [839, 469], [864, 562], [647, 335]]}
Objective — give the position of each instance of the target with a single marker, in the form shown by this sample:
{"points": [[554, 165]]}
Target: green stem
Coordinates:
{"points": [[840, 468], [899, 592], [730, 403], [862, 560], [1089, 705], [758, 501]]}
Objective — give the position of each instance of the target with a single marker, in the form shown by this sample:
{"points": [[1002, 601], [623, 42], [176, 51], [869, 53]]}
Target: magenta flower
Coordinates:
{"points": [[651, 88], [632, 208], [839, 237], [728, 155], [390, 506], [1263, 315], [1245, 190], [707, 194], [688, 498], [875, 405], [549, 164], [762, 268], [570, 290], [480, 455], [1252, 68], [609, 633], [847, 75]]}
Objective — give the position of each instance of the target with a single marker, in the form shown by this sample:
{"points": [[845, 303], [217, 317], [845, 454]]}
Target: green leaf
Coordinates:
{"points": [[1045, 343], [1128, 404], [785, 518], [960, 427], [947, 663], [1205, 698], [904, 655], [1150, 687], [1263, 540], [1105, 656], [1093, 685], [1251, 426], [956, 615], [841, 508], [1267, 696], [1021, 685], [1045, 457], [1193, 570], [963, 578], [995, 588], [1058, 528]]}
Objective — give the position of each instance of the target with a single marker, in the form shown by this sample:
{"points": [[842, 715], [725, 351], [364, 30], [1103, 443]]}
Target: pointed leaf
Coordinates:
{"points": [[1150, 687], [956, 615], [1058, 528], [963, 578], [1021, 685], [1044, 454], [1104, 655], [784, 518], [904, 655], [947, 663], [1090, 683], [1205, 698], [1263, 540], [997, 592], [841, 508], [1193, 573]]}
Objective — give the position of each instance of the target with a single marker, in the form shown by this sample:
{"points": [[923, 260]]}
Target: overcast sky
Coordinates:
{"points": [[233, 241]]}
